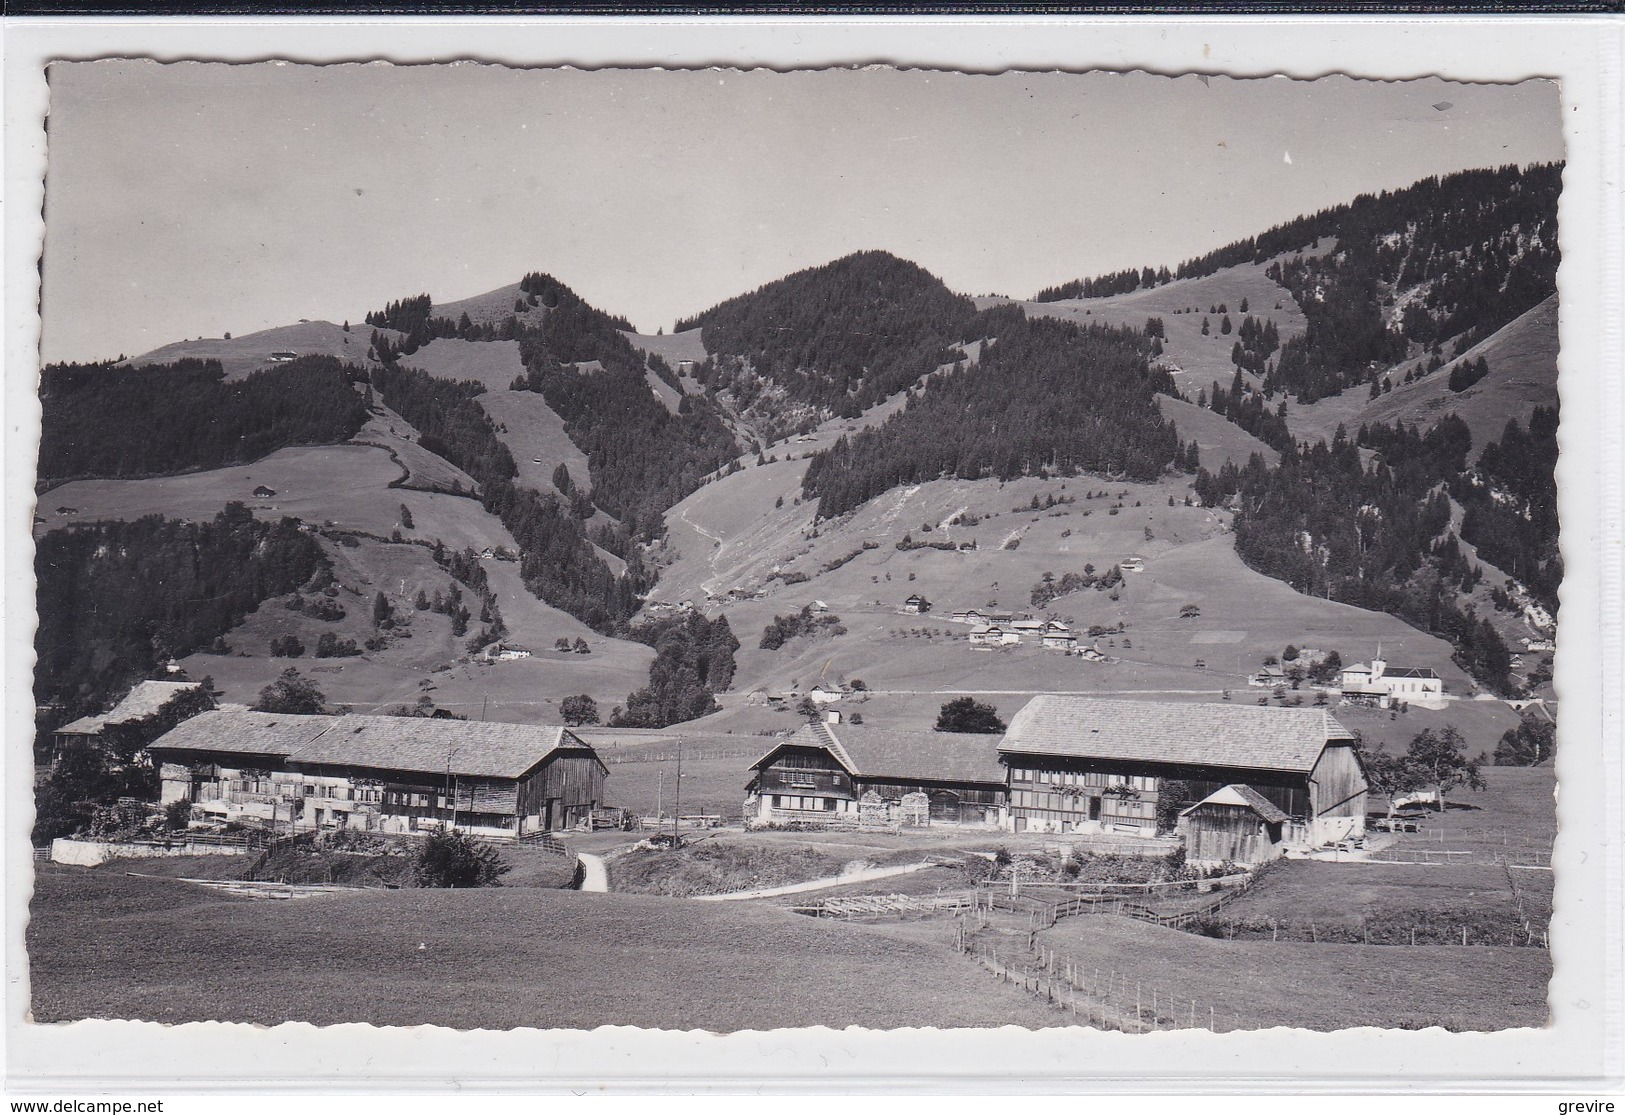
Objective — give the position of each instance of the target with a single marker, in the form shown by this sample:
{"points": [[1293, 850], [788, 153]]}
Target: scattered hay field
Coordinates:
{"points": [[729, 534], [104, 945], [492, 307], [1315, 986], [348, 485], [1346, 894]]}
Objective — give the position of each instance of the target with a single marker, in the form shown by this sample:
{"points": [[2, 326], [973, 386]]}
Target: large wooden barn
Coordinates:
{"points": [[1082, 764], [381, 773], [824, 772]]}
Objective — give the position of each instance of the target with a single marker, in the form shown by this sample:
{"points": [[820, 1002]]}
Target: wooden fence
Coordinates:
{"points": [[1100, 997], [547, 842], [1043, 912]]}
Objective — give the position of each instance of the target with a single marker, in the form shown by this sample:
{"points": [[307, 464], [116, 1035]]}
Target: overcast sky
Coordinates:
{"points": [[194, 199]]}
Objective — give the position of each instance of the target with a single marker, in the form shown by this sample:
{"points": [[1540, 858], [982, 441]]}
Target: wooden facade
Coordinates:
{"points": [[305, 772], [563, 791], [823, 773], [1081, 764], [1230, 834], [1235, 824]]}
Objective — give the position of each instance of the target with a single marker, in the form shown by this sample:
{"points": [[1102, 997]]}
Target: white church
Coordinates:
{"points": [[1381, 685]]}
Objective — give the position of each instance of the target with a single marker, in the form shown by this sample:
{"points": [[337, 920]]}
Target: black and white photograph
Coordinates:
{"points": [[730, 549]]}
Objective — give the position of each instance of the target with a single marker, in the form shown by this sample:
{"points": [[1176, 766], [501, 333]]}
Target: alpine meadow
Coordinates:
{"points": [[1128, 656]]}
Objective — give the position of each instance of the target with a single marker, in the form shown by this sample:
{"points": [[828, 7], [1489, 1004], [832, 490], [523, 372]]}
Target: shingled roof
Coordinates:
{"points": [[904, 755], [244, 733], [426, 745], [1249, 736], [404, 743], [1244, 796], [148, 698]]}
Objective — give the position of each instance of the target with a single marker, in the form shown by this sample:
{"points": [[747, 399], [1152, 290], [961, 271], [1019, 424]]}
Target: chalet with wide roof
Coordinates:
{"points": [[148, 701], [380, 773], [824, 771], [1084, 764]]}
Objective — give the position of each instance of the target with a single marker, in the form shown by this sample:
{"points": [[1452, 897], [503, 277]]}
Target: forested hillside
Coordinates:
{"points": [[117, 599], [1511, 504], [641, 458], [1444, 261], [1045, 396], [557, 562], [842, 336], [103, 421], [1375, 536]]}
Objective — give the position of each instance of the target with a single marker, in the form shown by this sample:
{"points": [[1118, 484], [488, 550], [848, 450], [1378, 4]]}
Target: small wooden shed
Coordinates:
{"points": [[1235, 824]]}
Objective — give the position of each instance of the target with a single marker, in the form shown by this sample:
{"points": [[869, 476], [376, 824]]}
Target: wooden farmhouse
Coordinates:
{"points": [[147, 701], [823, 772], [398, 774], [1083, 764]]}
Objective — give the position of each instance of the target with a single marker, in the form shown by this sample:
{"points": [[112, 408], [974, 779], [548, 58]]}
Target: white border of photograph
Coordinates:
{"points": [[1581, 1047]]}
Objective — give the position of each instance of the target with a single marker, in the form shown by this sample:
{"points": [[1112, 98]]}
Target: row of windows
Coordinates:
{"points": [[1094, 807], [1083, 779], [796, 801]]}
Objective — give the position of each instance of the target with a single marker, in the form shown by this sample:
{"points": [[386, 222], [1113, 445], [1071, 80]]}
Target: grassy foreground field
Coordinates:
{"points": [[1318, 987], [105, 945]]}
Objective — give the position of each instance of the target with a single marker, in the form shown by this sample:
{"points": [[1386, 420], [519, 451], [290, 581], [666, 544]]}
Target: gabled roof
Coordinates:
{"points": [[1357, 668], [902, 754], [1249, 736], [1410, 672], [244, 733], [1244, 796], [148, 698], [405, 743]]}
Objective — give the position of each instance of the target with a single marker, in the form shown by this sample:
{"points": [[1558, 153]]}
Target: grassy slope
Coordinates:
{"points": [[671, 347], [349, 486], [425, 471], [1523, 375], [492, 307], [1219, 439], [104, 945], [251, 352], [1318, 987], [1190, 560], [1195, 360], [525, 423]]}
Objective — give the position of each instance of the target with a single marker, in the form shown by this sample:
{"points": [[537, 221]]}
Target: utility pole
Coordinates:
{"points": [[451, 789], [660, 791], [677, 795]]}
